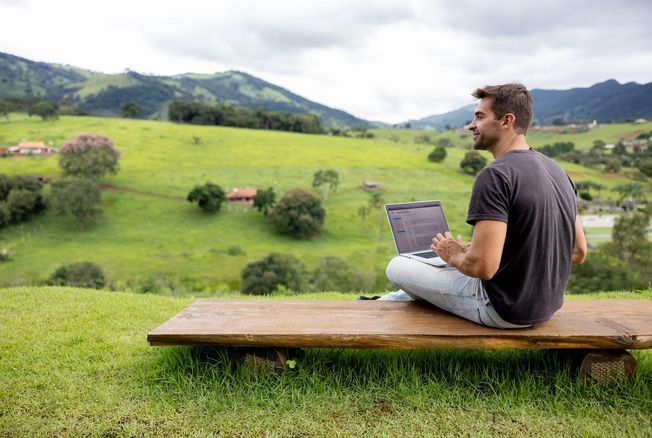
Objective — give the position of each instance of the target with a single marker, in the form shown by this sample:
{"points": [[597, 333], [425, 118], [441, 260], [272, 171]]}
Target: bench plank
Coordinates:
{"points": [[604, 324]]}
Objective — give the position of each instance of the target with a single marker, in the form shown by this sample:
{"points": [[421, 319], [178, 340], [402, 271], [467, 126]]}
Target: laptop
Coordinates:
{"points": [[413, 225]]}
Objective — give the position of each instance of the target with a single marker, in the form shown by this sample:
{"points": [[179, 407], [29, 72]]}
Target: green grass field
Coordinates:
{"points": [[76, 362], [149, 232]]}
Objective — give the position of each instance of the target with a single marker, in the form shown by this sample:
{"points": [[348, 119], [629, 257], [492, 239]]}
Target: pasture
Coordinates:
{"points": [[150, 233]]}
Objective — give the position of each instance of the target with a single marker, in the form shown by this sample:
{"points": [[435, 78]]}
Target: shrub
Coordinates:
{"points": [[335, 275], [89, 156], [235, 250], [265, 200], [264, 276], [422, 139], [78, 197], [438, 154], [601, 272], [24, 204], [299, 213], [209, 197], [473, 162], [84, 274]]}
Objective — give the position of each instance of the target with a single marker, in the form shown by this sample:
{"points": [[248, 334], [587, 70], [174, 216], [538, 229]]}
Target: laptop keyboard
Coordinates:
{"points": [[426, 254]]}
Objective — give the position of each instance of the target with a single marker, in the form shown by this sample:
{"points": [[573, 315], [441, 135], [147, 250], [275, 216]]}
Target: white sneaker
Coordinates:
{"points": [[398, 295]]}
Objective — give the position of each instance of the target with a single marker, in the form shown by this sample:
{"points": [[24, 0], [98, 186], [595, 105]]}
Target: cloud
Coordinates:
{"points": [[275, 36]]}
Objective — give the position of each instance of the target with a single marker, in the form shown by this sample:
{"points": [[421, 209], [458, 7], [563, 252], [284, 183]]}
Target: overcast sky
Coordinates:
{"points": [[388, 60]]}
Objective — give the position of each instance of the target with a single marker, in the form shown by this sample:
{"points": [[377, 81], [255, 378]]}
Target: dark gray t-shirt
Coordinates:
{"points": [[536, 199]]}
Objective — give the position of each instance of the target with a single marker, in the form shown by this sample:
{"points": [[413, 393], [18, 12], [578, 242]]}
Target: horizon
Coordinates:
{"points": [[393, 61]]}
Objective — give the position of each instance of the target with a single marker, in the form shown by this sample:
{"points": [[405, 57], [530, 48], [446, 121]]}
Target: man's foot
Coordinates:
{"points": [[398, 295]]}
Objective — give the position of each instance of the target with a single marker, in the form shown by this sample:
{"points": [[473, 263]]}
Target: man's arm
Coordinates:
{"points": [[482, 259], [580, 250]]}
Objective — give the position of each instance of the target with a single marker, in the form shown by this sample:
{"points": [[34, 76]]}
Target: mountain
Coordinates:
{"points": [[608, 101], [104, 94]]}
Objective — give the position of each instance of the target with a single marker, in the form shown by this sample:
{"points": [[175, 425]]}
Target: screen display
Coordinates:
{"points": [[414, 225]]}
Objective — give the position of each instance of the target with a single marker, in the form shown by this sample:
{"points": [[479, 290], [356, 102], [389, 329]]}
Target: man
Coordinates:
{"points": [[526, 229]]}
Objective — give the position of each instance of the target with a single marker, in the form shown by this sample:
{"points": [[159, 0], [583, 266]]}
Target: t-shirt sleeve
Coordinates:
{"points": [[490, 197]]}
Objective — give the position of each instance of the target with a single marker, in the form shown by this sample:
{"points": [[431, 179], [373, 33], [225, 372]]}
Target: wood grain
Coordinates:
{"points": [[606, 324]]}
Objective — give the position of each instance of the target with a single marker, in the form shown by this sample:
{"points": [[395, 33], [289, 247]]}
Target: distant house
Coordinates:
{"points": [[31, 148], [638, 121], [243, 195]]}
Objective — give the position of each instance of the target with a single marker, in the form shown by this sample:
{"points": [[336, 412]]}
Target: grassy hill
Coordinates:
{"points": [[76, 362], [104, 94], [149, 233]]}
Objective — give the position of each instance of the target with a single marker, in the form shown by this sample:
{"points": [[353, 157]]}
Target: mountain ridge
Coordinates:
{"points": [[607, 101], [104, 94]]}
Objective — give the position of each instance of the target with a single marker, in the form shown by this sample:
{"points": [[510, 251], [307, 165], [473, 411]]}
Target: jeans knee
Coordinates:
{"points": [[393, 270]]}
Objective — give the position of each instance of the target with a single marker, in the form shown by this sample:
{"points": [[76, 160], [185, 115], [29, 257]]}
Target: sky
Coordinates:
{"points": [[386, 60]]}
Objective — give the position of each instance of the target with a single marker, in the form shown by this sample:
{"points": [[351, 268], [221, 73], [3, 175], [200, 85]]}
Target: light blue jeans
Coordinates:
{"points": [[446, 288]]}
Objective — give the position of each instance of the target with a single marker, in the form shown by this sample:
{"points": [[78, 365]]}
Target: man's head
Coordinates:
{"points": [[501, 108]]}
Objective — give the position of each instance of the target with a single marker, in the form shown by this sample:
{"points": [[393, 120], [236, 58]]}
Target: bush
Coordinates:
{"points": [[89, 156], [84, 274], [265, 200], [601, 272], [23, 204], [78, 197], [335, 275], [264, 276], [299, 213], [473, 162], [235, 250], [438, 154], [209, 197]]}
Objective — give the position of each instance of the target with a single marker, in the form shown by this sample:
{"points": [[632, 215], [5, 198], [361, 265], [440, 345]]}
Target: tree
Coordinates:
{"points": [[299, 213], [78, 197], [89, 156], [438, 154], [630, 243], [5, 107], [444, 142], [646, 168], [265, 200], [327, 179], [473, 162], [131, 110], [209, 197], [44, 109], [630, 194], [24, 204], [264, 276], [334, 274], [84, 274]]}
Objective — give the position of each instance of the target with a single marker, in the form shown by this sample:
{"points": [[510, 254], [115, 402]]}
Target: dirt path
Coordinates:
{"points": [[112, 188]]}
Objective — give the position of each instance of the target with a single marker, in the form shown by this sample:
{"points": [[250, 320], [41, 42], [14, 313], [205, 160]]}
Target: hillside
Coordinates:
{"points": [[606, 102], [149, 234], [104, 94]]}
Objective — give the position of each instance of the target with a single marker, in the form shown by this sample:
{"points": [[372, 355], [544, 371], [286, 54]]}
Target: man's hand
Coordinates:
{"points": [[480, 260], [449, 249]]}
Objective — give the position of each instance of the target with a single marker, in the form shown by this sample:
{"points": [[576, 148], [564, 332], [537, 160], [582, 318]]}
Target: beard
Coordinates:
{"points": [[485, 141]]}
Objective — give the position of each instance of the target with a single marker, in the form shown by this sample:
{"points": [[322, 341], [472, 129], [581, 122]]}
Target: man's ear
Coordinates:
{"points": [[508, 120]]}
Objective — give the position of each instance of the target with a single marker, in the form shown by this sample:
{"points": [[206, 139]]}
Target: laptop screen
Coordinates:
{"points": [[414, 224]]}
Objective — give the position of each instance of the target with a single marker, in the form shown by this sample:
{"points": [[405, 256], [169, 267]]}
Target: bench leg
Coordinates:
{"points": [[265, 357], [601, 365]]}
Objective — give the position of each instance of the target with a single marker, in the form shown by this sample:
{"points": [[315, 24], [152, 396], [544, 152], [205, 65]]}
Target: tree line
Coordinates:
{"points": [[227, 115]]}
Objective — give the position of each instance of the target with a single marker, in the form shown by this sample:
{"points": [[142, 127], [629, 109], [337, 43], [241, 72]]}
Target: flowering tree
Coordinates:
{"points": [[89, 156]]}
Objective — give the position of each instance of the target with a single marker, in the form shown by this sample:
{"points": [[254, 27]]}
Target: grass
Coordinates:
{"points": [[149, 232], [76, 362]]}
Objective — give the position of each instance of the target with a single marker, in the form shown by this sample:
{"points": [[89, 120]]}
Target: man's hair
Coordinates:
{"points": [[509, 98]]}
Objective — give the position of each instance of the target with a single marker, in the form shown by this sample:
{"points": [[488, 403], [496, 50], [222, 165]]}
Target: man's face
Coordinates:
{"points": [[484, 126]]}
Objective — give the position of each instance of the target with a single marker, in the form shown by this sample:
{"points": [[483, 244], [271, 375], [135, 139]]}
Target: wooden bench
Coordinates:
{"points": [[600, 330]]}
